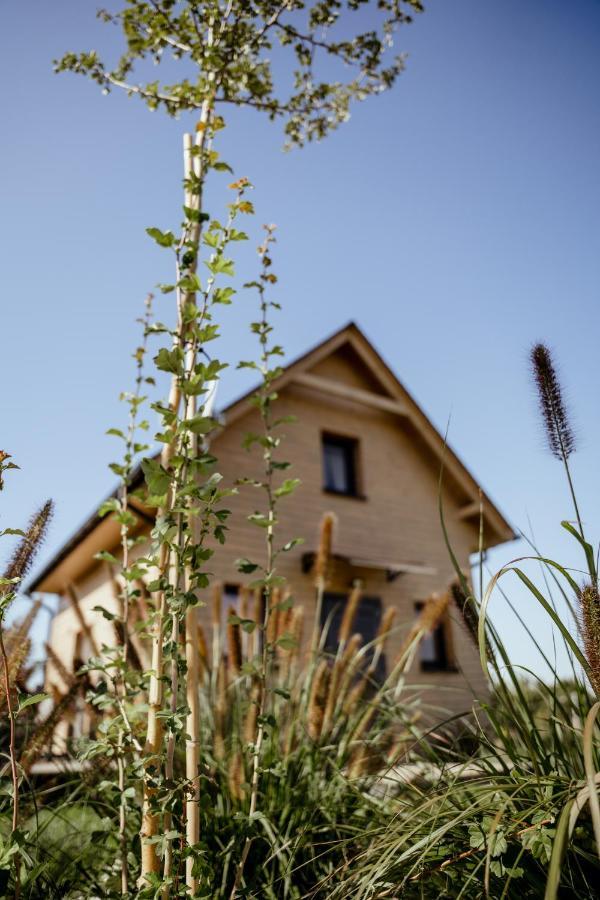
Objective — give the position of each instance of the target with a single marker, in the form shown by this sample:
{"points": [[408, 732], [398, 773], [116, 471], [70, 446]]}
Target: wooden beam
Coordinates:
{"points": [[337, 389], [469, 510], [140, 511], [399, 568]]}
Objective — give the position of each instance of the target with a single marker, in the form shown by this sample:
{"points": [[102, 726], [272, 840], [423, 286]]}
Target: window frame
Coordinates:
{"points": [[351, 447]]}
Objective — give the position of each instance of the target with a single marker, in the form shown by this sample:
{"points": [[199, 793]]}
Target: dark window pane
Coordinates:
{"points": [[366, 623], [229, 598], [338, 465], [433, 653]]}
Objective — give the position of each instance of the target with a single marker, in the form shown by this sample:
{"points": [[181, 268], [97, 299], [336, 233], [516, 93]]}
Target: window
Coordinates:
{"points": [[229, 598], [339, 465], [366, 623], [433, 649]]}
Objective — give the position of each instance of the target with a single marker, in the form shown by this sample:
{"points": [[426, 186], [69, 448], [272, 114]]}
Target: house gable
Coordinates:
{"points": [[325, 371], [346, 366], [345, 370]]}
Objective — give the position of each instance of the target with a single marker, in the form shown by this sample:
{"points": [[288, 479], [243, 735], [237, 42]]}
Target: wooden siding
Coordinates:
{"points": [[395, 520]]}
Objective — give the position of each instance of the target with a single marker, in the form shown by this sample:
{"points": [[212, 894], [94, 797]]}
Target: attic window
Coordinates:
{"points": [[339, 464]]}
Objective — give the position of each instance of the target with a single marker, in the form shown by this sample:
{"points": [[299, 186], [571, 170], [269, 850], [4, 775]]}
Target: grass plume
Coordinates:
{"points": [[22, 558], [590, 631], [559, 433]]}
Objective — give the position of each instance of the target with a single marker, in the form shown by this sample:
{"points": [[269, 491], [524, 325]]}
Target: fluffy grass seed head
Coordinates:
{"points": [[434, 609], [559, 433], [235, 776], [590, 631], [467, 610], [202, 647], [217, 595], [220, 712], [349, 615], [251, 717], [25, 551], [234, 644], [325, 544], [318, 700], [387, 622]]}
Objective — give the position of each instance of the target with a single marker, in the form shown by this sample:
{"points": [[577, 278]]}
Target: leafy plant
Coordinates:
{"points": [[225, 52]]}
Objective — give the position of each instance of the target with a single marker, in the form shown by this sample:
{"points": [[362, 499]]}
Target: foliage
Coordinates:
{"points": [[228, 54]]}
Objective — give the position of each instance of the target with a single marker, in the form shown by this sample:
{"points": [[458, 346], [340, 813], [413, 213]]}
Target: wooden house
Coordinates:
{"points": [[363, 449]]}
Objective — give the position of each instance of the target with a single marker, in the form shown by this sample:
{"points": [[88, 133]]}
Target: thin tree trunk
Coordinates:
{"points": [[150, 821], [192, 750]]}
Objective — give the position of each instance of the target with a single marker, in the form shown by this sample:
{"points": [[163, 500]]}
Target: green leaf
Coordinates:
{"points": [[208, 333], [270, 581], [587, 548], [157, 479], [169, 360], [285, 420], [220, 265], [223, 295], [200, 424], [288, 487], [558, 850], [261, 520], [110, 505], [247, 625], [244, 565], [476, 837], [194, 215], [287, 641], [106, 557], [30, 701], [162, 238], [190, 284], [212, 239], [291, 544], [285, 694]]}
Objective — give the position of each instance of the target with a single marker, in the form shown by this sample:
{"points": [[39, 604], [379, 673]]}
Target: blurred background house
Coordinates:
{"points": [[364, 450]]}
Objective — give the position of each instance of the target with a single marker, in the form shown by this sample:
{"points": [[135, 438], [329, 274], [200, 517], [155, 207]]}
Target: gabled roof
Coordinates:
{"points": [[386, 393]]}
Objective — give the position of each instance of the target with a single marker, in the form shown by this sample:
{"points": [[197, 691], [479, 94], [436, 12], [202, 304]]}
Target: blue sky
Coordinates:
{"points": [[456, 219]]}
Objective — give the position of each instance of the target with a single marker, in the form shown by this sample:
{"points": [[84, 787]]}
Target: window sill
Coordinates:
{"points": [[335, 493]]}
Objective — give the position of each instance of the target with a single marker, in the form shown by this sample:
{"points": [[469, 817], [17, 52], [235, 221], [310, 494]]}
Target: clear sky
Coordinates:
{"points": [[455, 219]]}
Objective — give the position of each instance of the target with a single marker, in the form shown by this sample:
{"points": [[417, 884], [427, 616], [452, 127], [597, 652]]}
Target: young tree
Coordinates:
{"points": [[227, 51]]}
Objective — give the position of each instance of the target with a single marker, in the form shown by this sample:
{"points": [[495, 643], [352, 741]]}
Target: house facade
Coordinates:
{"points": [[362, 449]]}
